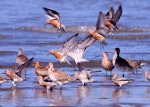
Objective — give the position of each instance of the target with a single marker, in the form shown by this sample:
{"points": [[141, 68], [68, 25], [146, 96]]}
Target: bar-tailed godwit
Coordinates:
{"points": [[54, 19], [62, 53], [58, 76], [106, 63]]}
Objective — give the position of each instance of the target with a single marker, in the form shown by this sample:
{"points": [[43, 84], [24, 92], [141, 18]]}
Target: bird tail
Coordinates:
{"points": [[142, 64], [63, 28], [104, 42], [66, 60]]}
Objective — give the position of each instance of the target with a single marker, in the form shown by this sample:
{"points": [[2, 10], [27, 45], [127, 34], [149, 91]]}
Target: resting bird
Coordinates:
{"points": [[136, 64], [84, 76], [106, 63], [54, 19], [58, 76], [120, 81], [21, 58]]}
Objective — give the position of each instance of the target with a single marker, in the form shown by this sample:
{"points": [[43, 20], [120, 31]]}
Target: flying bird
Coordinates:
{"points": [[62, 53], [112, 18], [53, 18], [99, 33], [78, 51]]}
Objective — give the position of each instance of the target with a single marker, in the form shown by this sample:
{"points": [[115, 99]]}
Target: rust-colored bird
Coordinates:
{"points": [[112, 18], [41, 70], [14, 77], [62, 53], [48, 85], [99, 33], [54, 19]]}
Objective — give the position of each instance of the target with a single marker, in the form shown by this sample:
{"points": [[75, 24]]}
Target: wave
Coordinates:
{"points": [[136, 33]]}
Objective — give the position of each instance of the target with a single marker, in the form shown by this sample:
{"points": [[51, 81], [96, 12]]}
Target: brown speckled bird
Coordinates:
{"points": [[106, 63], [21, 58], [58, 76]]}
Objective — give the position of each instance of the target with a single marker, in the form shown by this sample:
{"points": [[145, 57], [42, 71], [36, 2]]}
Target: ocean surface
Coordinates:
{"points": [[22, 26]]}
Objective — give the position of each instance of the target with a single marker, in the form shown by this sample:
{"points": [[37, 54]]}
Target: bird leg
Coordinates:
{"points": [[51, 89], [123, 74], [14, 84]]}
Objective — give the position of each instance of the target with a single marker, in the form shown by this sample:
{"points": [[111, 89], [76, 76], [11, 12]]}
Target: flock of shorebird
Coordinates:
{"points": [[48, 76]]}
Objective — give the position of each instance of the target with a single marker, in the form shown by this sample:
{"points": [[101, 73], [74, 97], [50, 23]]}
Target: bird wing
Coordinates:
{"points": [[117, 15], [85, 42], [52, 13], [60, 75], [81, 67], [100, 22], [68, 43], [100, 25], [110, 13], [20, 68], [122, 79]]}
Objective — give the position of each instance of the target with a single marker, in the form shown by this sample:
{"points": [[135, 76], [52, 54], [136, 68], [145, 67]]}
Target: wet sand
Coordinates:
{"points": [[100, 93]]}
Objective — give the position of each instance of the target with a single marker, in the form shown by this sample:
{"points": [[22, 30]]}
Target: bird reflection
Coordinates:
{"points": [[40, 93], [58, 97], [82, 92], [148, 92], [16, 95], [119, 93]]}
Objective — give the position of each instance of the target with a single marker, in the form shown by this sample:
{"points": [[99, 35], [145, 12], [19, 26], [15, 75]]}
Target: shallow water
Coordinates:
{"points": [[22, 26]]}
